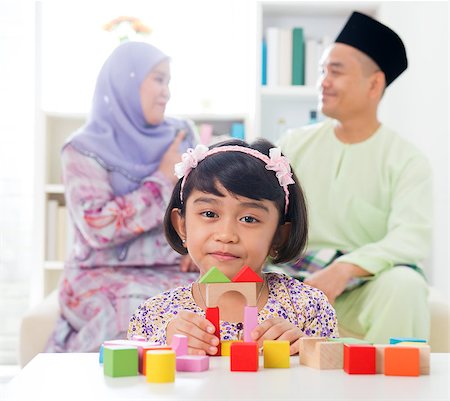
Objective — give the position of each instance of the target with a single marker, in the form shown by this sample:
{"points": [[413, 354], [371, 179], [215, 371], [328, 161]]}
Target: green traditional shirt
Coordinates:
{"points": [[372, 199]]}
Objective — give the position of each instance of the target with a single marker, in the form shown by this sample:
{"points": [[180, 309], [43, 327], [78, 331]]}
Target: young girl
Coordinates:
{"points": [[234, 205]]}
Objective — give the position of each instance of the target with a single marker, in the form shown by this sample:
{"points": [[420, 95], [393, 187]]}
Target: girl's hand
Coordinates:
{"points": [[278, 329], [199, 331], [187, 264]]}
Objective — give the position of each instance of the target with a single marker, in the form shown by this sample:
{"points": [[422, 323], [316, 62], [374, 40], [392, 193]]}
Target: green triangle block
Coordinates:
{"points": [[349, 340], [214, 275]]}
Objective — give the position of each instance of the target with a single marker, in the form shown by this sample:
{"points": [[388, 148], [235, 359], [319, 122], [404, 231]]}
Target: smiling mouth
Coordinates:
{"points": [[223, 256]]}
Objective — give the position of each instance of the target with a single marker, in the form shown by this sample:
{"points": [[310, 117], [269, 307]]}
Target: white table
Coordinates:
{"points": [[80, 377]]}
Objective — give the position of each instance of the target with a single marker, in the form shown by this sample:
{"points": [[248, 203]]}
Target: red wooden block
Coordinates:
{"points": [[246, 275], [359, 359], [213, 315], [244, 357]]}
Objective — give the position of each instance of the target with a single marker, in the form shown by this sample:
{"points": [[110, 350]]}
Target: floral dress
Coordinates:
{"points": [[119, 257], [304, 306]]}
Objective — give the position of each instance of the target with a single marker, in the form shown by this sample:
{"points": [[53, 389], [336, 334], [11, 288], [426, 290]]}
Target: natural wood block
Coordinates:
{"points": [[379, 357], [331, 355], [308, 354], [215, 290], [160, 366], [401, 361], [276, 354]]}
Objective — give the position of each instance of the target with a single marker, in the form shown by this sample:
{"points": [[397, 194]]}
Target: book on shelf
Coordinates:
{"points": [[291, 58], [298, 57], [264, 63]]}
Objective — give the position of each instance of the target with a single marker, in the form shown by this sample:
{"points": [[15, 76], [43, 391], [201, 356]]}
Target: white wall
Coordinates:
{"points": [[417, 106]]}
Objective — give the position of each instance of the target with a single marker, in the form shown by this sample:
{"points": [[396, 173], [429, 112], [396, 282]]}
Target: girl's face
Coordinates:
{"points": [[227, 232], [155, 93]]}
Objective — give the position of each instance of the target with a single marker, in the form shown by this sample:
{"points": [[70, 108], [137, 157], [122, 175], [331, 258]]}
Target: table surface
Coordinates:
{"points": [[80, 377]]}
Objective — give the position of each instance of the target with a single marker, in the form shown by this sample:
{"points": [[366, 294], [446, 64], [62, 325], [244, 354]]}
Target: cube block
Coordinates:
{"points": [[359, 359], [276, 354], [401, 361], [120, 361], [244, 357], [192, 363]]}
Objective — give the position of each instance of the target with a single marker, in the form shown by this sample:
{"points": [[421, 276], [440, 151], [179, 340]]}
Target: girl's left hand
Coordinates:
{"points": [[278, 329], [187, 265]]}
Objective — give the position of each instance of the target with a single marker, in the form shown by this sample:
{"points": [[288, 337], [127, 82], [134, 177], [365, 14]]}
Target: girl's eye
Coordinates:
{"points": [[209, 214], [249, 219]]}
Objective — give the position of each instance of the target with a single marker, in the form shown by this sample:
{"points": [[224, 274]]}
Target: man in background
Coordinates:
{"points": [[369, 192]]}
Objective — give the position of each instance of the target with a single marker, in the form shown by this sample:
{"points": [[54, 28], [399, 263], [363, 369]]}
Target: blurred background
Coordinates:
{"points": [[50, 55]]}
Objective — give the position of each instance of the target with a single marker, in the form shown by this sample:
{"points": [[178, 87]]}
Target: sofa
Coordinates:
{"points": [[39, 322]]}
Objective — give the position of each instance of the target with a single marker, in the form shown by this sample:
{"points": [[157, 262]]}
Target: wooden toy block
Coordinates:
{"points": [[379, 357], [247, 275], [160, 366], [225, 346], [395, 340], [244, 357], [318, 353], [331, 355], [120, 361], [307, 351], [142, 353], [250, 321], [401, 361], [179, 344], [349, 340], [276, 354], [136, 337], [424, 355], [214, 275], [213, 315], [359, 359], [215, 290], [192, 363]]}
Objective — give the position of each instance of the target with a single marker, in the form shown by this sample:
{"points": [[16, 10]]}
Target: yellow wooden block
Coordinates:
{"points": [[160, 366], [225, 346], [276, 354]]}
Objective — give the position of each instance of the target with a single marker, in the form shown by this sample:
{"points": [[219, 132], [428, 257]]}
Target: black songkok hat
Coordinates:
{"points": [[378, 41]]}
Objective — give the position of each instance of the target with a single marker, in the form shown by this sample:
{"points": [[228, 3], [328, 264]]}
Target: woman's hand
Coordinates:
{"points": [[187, 264], [199, 331], [172, 157], [278, 329]]}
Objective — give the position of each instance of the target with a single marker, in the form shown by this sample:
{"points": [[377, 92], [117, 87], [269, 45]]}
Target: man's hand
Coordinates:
{"points": [[199, 331], [187, 264], [333, 279], [278, 329]]}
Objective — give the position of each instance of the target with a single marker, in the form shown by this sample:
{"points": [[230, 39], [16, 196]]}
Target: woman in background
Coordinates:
{"points": [[118, 177]]}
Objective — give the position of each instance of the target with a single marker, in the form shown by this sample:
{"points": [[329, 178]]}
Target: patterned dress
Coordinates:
{"points": [[304, 306], [119, 258]]}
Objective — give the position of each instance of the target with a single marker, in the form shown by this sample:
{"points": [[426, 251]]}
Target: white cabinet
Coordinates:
{"points": [[277, 107], [54, 233]]}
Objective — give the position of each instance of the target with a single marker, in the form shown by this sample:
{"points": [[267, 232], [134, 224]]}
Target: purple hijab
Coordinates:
{"points": [[116, 133]]}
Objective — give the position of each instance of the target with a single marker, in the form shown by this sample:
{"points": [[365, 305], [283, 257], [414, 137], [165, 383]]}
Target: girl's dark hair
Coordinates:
{"points": [[244, 175]]}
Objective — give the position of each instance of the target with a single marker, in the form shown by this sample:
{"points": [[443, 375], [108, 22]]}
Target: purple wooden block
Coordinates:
{"points": [[192, 363]]}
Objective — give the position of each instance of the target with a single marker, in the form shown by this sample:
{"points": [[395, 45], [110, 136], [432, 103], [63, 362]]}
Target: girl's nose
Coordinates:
{"points": [[226, 233]]}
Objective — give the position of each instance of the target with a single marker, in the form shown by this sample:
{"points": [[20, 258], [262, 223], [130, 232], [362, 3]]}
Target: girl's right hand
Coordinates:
{"points": [[172, 157], [199, 331]]}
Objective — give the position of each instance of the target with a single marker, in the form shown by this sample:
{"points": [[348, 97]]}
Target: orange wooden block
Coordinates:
{"points": [[424, 351], [401, 361]]}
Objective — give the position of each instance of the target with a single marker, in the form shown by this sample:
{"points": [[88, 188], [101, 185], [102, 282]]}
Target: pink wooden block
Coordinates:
{"points": [[179, 344], [192, 363], [250, 321]]}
